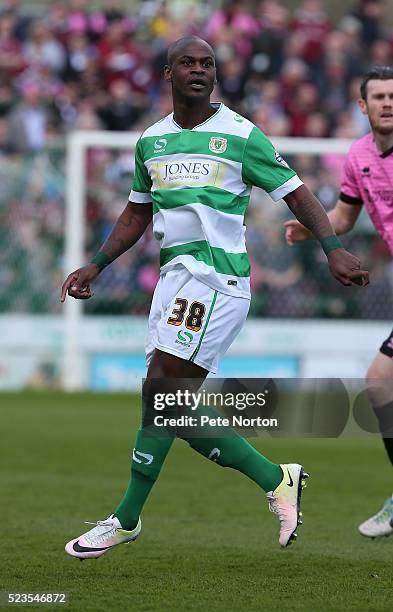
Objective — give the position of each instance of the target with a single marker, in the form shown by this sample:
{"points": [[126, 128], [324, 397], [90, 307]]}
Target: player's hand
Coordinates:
{"points": [[345, 267], [295, 231], [77, 284]]}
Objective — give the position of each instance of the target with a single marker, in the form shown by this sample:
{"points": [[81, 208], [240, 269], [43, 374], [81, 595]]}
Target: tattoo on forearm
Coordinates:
{"points": [[309, 211], [126, 232]]}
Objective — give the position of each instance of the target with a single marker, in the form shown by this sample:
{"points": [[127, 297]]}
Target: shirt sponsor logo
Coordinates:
{"points": [[159, 145], [190, 169], [191, 173], [217, 144]]}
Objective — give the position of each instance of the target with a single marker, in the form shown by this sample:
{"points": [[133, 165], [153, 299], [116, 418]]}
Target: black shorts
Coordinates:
{"points": [[387, 346]]}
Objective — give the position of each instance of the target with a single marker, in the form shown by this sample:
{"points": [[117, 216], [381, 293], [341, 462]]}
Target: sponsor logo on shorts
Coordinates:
{"points": [[218, 144], [184, 338]]}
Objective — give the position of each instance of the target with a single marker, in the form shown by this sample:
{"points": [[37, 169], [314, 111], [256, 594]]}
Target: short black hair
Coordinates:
{"points": [[378, 73], [181, 42]]}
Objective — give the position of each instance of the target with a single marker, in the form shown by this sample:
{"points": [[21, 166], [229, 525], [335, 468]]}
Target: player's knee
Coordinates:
{"points": [[150, 388], [153, 401]]}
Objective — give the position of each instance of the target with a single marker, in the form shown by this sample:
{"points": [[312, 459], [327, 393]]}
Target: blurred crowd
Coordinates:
{"points": [[71, 66]]}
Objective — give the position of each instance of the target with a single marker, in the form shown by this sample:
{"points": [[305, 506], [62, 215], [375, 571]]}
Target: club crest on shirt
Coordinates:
{"points": [[217, 144]]}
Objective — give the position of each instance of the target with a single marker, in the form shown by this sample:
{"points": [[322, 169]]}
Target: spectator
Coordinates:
{"points": [[80, 55], [316, 126], [381, 53], [232, 77], [28, 121], [306, 103], [42, 48], [78, 20], [370, 15], [268, 44], [312, 24], [11, 59], [119, 113], [113, 10], [235, 17], [118, 55], [87, 118], [20, 16], [57, 21]]}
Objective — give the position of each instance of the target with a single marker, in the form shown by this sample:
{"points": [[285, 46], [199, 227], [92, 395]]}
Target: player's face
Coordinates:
{"points": [[193, 72], [379, 105]]}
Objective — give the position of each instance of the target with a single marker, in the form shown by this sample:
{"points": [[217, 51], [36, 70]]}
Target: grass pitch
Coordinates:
{"points": [[208, 541]]}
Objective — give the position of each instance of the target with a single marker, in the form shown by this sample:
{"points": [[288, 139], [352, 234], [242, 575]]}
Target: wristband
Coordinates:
{"points": [[330, 243], [101, 260]]}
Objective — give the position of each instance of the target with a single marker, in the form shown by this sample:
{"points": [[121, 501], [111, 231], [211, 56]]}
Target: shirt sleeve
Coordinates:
{"points": [[350, 193], [141, 186], [264, 167]]}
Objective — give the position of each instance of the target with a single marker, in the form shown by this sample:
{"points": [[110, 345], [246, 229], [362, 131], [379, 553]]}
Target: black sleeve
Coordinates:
{"points": [[350, 199]]}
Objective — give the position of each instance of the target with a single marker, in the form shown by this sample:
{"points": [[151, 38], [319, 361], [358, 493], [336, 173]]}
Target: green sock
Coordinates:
{"points": [[235, 452], [147, 459]]}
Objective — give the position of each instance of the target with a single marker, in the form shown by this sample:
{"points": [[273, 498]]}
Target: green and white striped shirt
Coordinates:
{"points": [[200, 182]]}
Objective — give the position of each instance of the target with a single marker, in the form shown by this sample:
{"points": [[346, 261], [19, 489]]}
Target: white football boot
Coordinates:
{"points": [[380, 524], [285, 501], [104, 536]]}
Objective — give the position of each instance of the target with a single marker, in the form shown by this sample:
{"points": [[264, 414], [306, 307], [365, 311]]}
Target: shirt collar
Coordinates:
{"points": [[387, 152], [217, 105]]}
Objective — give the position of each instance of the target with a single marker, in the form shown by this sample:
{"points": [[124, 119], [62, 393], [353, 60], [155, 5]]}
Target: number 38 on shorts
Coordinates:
{"points": [[193, 321], [195, 314]]}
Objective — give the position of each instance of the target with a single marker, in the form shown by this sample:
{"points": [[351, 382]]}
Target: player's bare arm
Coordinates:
{"points": [[342, 219], [344, 266], [127, 230]]}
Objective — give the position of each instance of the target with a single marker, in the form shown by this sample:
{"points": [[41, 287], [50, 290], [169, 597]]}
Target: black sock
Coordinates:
{"points": [[384, 415]]}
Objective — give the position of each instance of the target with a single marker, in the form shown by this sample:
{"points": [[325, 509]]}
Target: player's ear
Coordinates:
{"points": [[167, 73], [363, 106]]}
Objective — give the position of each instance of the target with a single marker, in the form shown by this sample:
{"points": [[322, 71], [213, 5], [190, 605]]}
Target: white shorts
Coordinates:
{"points": [[193, 321]]}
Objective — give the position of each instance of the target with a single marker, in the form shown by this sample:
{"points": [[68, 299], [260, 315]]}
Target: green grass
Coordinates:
{"points": [[208, 541]]}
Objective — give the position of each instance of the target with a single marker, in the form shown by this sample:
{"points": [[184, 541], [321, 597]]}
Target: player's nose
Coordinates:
{"points": [[199, 68]]}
